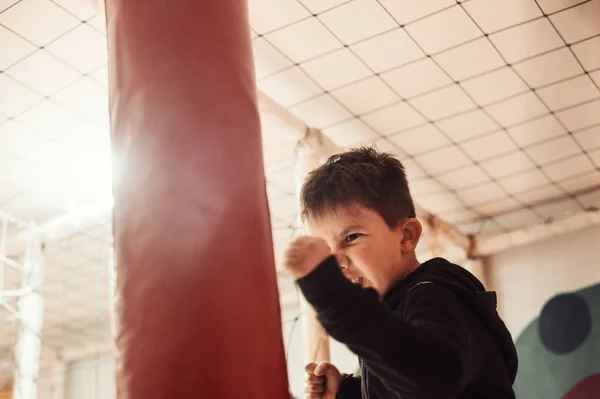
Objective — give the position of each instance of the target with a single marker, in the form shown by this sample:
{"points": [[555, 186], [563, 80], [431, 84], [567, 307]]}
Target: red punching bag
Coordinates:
{"points": [[197, 308]]}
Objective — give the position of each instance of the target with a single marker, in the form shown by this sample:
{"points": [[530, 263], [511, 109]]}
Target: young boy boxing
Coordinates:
{"points": [[421, 331]]}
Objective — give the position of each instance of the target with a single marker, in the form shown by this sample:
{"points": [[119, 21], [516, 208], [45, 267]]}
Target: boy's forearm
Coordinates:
{"points": [[323, 286], [403, 355]]}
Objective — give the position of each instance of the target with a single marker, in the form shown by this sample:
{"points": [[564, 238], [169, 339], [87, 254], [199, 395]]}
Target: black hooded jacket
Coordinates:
{"points": [[436, 335]]}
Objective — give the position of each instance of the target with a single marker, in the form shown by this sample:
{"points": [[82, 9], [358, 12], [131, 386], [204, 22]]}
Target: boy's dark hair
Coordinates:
{"points": [[362, 176]]}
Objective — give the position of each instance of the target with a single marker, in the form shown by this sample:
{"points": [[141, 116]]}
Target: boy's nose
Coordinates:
{"points": [[343, 261]]}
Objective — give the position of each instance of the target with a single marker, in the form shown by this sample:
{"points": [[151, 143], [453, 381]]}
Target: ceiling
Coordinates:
{"points": [[493, 107]]}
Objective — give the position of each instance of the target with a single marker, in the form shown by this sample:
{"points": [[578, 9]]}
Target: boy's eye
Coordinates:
{"points": [[351, 237]]}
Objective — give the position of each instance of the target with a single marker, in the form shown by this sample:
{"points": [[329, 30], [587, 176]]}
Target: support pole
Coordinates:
{"points": [[30, 314], [197, 302], [315, 339], [476, 267], [112, 293], [58, 378]]}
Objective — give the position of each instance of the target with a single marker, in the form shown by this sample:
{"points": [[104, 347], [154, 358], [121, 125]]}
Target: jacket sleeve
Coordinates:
{"points": [[349, 388], [428, 352]]}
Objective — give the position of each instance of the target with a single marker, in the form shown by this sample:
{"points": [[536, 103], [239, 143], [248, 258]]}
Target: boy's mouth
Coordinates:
{"points": [[357, 280]]}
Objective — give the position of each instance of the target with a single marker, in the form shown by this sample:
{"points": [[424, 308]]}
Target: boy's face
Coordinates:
{"points": [[368, 251]]}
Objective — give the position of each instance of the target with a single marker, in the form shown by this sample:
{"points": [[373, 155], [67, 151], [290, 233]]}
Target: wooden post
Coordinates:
{"points": [[315, 339]]}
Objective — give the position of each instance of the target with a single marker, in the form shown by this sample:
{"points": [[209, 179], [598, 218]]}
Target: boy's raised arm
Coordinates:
{"points": [[430, 353]]}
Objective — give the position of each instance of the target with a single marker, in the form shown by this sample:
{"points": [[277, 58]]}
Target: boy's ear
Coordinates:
{"points": [[411, 233]]}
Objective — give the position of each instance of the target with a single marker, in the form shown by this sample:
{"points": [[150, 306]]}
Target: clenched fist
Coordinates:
{"points": [[304, 255], [322, 381]]}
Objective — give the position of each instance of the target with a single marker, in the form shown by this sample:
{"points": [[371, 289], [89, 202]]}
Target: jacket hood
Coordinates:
{"points": [[472, 292]]}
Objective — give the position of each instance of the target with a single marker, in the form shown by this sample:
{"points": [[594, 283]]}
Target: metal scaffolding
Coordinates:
{"points": [[21, 278]]}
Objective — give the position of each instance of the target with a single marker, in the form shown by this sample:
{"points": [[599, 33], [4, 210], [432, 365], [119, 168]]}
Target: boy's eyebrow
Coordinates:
{"points": [[348, 229]]}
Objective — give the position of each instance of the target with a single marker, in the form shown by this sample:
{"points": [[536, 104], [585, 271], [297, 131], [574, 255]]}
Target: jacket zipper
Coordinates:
{"points": [[365, 384]]}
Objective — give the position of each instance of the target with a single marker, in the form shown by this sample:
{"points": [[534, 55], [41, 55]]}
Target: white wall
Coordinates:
{"points": [[91, 379], [95, 378], [526, 277], [84, 379]]}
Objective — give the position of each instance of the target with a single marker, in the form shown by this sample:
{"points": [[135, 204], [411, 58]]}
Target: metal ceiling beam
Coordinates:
{"points": [[281, 122], [65, 225], [530, 234]]}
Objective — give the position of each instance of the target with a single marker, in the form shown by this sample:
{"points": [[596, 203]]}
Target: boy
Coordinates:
{"points": [[421, 331]]}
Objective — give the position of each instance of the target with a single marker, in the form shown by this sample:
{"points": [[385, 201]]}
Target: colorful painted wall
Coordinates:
{"points": [[549, 297]]}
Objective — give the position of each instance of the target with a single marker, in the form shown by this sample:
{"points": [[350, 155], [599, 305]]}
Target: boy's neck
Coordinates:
{"points": [[410, 266]]}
